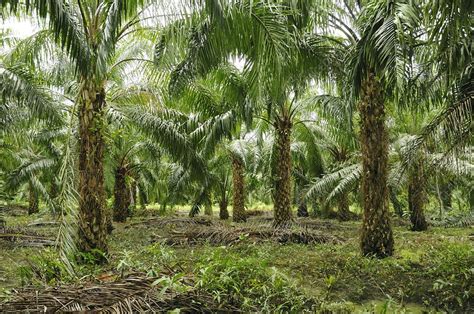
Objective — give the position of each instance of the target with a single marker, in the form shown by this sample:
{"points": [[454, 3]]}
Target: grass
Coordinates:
{"points": [[430, 270]]}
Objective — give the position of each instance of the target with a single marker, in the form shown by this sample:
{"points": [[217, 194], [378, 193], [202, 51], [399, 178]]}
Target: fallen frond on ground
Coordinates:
{"points": [[174, 222], [13, 210], [134, 294], [24, 237], [228, 235]]}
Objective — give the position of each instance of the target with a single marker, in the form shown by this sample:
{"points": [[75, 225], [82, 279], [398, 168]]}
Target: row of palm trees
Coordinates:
{"points": [[173, 90]]}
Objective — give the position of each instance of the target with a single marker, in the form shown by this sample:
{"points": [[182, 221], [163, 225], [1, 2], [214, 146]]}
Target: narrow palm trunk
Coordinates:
{"points": [[142, 197], [122, 199], [376, 236], [343, 212], [416, 199], [302, 209], [282, 194], [238, 205], [33, 204], [302, 205], [92, 211], [208, 210], [223, 212], [133, 195], [446, 196]]}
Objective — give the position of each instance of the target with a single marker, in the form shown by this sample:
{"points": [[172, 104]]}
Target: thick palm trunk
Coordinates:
{"points": [[33, 204], [92, 210], [238, 204], [376, 236], [223, 212], [282, 194], [122, 198], [343, 212], [416, 199]]}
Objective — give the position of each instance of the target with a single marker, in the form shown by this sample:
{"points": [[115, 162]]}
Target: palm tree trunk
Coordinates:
{"points": [[302, 205], [282, 193], [416, 199], [133, 195], [302, 209], [142, 197], [122, 199], [33, 204], [343, 212], [446, 196], [397, 206], [208, 209], [92, 211], [376, 236], [238, 204], [223, 212]]}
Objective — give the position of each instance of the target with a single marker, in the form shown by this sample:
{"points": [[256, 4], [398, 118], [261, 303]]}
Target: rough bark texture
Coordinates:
{"points": [[376, 235], [343, 212], [223, 212], [417, 198], [33, 204], [238, 204], [92, 209], [122, 197], [282, 193]]}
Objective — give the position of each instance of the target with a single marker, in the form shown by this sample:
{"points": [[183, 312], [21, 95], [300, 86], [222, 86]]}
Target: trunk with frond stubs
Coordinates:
{"points": [[92, 200], [33, 204], [223, 212], [238, 204], [343, 212], [417, 198], [122, 197], [376, 235], [282, 172]]}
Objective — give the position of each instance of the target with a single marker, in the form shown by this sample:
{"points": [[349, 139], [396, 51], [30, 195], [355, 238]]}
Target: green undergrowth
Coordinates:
{"points": [[430, 271]]}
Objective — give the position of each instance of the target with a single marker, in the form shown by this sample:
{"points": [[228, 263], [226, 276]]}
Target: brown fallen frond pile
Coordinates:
{"points": [[321, 224], [256, 212], [13, 210], [24, 237], [135, 294], [175, 222], [228, 235]]}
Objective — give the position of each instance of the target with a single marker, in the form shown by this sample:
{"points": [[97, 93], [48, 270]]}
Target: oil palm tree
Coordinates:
{"points": [[377, 65], [89, 31], [280, 56], [131, 154]]}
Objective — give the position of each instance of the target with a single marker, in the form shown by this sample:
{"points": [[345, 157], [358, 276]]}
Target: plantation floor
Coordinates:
{"points": [[236, 265]]}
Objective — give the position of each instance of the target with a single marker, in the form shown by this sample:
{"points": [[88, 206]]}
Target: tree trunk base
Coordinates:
{"points": [[223, 212]]}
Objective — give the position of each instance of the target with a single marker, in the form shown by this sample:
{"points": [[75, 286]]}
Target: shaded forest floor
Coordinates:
{"points": [[172, 261]]}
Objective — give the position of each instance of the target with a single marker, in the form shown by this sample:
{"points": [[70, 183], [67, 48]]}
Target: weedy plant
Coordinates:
{"points": [[248, 282]]}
